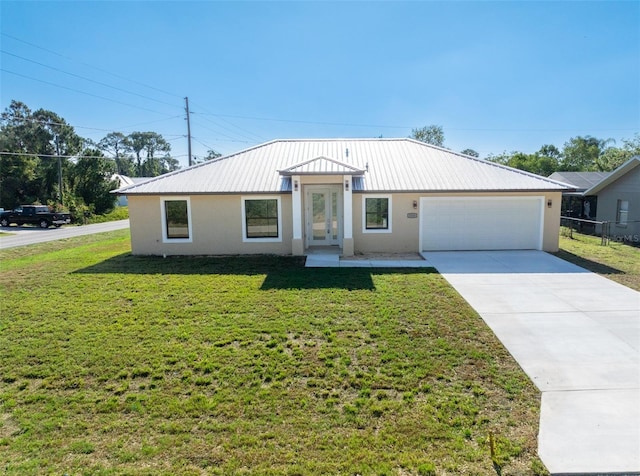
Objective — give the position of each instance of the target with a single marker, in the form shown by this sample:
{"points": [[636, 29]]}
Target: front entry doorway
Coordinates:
{"points": [[323, 215]]}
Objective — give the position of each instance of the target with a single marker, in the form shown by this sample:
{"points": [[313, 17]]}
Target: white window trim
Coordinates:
{"points": [[619, 210], [244, 219], [364, 215], [166, 239]]}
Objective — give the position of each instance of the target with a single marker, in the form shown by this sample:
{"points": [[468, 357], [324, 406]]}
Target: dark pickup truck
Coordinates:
{"points": [[34, 215]]}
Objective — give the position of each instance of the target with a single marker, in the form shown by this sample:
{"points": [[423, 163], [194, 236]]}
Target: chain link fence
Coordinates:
{"points": [[597, 228]]}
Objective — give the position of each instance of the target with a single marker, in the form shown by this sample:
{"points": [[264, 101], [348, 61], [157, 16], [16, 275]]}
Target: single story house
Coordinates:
{"points": [[606, 196], [352, 195]]}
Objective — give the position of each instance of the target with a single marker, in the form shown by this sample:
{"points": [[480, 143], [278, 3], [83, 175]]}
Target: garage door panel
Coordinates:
{"points": [[481, 223]]}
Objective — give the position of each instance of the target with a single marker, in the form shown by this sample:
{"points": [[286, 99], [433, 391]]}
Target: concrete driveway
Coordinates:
{"points": [[30, 235], [577, 336]]}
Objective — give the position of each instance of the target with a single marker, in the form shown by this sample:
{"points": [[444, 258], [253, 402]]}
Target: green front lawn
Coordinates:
{"points": [[616, 261], [114, 364]]}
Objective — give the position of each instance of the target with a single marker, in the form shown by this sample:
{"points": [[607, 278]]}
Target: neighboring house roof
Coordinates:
{"points": [[125, 180], [625, 168], [378, 165], [580, 180]]}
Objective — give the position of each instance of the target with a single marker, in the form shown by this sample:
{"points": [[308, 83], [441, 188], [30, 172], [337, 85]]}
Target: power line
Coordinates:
{"points": [[78, 156], [81, 92], [149, 122], [232, 139], [202, 143], [39, 121], [234, 125], [307, 122], [240, 134], [346, 124], [87, 79], [90, 65]]}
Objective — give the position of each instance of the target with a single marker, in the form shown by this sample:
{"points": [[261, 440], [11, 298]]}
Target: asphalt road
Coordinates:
{"points": [[30, 235]]}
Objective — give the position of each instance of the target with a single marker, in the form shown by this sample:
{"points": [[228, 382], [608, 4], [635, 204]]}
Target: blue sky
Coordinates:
{"points": [[498, 76]]}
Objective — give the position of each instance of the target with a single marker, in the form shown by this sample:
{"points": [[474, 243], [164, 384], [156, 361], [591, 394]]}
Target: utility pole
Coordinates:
{"points": [[57, 140], [186, 100], [60, 179]]}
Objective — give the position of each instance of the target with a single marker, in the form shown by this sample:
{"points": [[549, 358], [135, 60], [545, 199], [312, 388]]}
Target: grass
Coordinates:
{"points": [[616, 261], [115, 364]]}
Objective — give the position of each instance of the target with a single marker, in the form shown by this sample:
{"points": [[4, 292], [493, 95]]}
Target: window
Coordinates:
{"points": [[622, 212], [376, 214], [176, 220], [261, 219]]}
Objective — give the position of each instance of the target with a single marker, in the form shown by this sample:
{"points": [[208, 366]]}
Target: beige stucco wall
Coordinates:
{"points": [[405, 231], [216, 227]]}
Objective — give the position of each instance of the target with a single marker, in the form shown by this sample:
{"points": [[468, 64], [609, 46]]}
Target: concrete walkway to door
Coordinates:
{"points": [[577, 336]]}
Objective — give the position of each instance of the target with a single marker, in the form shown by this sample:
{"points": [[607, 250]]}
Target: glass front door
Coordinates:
{"points": [[323, 216]]}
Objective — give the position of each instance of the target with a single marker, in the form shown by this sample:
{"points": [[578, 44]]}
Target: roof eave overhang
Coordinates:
{"points": [[267, 192], [183, 194], [461, 191]]}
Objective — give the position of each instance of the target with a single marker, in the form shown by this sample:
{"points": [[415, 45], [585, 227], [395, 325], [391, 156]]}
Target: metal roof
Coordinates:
{"points": [[388, 165], [580, 180]]}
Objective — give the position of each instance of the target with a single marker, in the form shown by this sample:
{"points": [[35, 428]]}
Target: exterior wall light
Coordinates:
{"points": [[549, 203], [295, 185], [415, 204], [346, 185]]}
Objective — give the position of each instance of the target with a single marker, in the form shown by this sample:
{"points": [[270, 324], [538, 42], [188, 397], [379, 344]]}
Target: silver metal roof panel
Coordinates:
{"points": [[389, 165]]}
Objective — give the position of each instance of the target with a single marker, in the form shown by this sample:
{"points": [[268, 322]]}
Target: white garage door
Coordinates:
{"points": [[481, 223]]}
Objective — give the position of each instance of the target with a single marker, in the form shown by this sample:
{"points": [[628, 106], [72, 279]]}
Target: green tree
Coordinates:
{"points": [[550, 151], [42, 142], [536, 163], [91, 179], [470, 152], [146, 146], [136, 141], [18, 168], [432, 134], [502, 159], [581, 154], [117, 145], [211, 154], [614, 157], [60, 141]]}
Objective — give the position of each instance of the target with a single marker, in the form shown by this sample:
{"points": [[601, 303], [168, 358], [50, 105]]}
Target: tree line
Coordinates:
{"points": [[579, 154], [45, 161]]}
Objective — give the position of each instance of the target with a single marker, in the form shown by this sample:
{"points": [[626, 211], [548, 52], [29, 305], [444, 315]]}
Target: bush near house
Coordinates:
{"points": [[119, 213], [248, 366]]}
